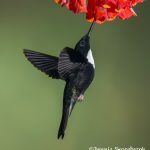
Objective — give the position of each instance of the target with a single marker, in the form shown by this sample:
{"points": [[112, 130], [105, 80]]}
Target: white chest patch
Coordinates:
{"points": [[90, 58]]}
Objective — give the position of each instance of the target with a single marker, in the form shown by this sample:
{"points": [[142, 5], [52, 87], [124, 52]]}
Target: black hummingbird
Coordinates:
{"points": [[75, 66]]}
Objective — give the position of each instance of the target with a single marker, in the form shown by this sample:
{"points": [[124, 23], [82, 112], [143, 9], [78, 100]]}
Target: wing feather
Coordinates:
{"points": [[69, 62], [46, 63]]}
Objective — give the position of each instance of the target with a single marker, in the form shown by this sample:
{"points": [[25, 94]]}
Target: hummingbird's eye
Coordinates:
{"points": [[82, 43]]}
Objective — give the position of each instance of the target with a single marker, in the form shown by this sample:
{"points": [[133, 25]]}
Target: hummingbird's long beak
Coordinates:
{"points": [[91, 27]]}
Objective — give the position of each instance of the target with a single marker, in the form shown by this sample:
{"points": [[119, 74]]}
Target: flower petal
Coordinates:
{"points": [[126, 13], [76, 6]]}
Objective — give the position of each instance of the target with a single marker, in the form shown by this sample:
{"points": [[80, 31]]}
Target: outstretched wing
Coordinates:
{"points": [[44, 62], [69, 62]]}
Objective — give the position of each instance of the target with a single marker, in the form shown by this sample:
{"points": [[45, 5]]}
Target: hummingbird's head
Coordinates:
{"points": [[83, 46]]}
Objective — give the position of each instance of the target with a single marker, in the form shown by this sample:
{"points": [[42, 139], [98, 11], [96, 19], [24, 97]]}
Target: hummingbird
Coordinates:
{"points": [[75, 66]]}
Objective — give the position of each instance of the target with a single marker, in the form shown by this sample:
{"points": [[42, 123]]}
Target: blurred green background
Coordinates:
{"points": [[116, 110]]}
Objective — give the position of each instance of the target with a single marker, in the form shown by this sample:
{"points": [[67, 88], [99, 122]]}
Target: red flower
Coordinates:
{"points": [[102, 10], [74, 5]]}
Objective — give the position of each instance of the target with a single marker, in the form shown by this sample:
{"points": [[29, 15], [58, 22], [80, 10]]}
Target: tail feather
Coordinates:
{"points": [[72, 104], [63, 126], [45, 63], [65, 117], [69, 101]]}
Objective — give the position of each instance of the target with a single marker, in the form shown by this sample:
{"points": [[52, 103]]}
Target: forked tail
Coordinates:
{"points": [[69, 101]]}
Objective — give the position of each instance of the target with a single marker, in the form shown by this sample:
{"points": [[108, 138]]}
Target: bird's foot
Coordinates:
{"points": [[80, 98]]}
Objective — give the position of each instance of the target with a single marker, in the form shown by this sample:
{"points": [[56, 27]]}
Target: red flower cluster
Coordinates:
{"points": [[101, 10]]}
